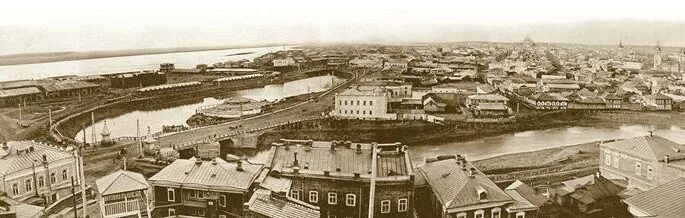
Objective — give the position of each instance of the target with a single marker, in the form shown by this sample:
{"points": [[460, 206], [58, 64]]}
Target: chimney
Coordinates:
{"points": [[45, 158], [31, 149], [666, 159], [597, 175], [651, 133], [295, 163], [4, 146], [357, 175], [326, 172], [333, 144], [472, 172], [359, 148], [240, 165]]}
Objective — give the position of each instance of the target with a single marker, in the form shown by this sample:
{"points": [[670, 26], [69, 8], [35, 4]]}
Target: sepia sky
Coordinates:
{"points": [[30, 26]]}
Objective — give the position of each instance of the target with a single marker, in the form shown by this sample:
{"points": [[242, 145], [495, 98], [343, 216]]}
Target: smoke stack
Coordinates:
{"points": [[295, 163], [240, 165], [472, 172], [4, 146], [651, 133]]}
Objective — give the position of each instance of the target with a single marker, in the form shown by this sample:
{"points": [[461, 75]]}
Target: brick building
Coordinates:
{"points": [[337, 176]]}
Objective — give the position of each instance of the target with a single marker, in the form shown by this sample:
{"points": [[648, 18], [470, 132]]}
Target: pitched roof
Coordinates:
{"points": [[488, 97], [455, 188], [659, 96], [121, 181], [363, 92], [548, 97], [265, 203], [4, 93], [52, 86], [524, 196], [215, 174], [590, 188], [667, 200], [648, 147], [19, 155]]}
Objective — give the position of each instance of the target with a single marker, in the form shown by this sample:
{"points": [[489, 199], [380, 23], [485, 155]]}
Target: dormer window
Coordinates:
{"points": [[482, 194]]}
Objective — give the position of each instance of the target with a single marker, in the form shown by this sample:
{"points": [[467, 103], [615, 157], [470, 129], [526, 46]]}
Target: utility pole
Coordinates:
{"points": [[83, 182], [92, 129], [372, 189], [50, 116], [20, 114], [83, 129], [140, 143], [73, 197]]}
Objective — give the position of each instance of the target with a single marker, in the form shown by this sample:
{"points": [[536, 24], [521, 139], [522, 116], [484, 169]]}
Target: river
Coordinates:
{"points": [[487, 147], [127, 64], [125, 124]]}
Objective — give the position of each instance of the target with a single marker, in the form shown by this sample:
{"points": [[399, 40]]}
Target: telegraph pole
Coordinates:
{"points": [[20, 114], [83, 182], [73, 197], [50, 116], [92, 129], [372, 189]]}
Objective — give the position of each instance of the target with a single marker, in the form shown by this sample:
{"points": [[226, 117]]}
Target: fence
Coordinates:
{"points": [[544, 171]]}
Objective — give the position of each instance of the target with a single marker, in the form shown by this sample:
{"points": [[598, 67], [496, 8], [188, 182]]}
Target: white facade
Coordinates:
{"points": [[283, 62], [362, 104]]}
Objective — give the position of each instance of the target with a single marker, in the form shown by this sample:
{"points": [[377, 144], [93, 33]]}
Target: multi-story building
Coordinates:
{"points": [[658, 101], [457, 189], [359, 103], [266, 203], [35, 170], [195, 187], [644, 162], [123, 194], [338, 177]]}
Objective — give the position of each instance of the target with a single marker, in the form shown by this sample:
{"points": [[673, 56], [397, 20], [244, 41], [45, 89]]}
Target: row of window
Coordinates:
{"points": [[363, 103], [194, 194], [494, 213], [28, 183], [352, 112], [350, 200], [613, 161], [200, 212]]}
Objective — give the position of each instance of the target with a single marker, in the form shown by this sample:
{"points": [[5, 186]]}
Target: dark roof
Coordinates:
{"points": [[593, 188], [667, 200], [659, 96], [548, 97], [67, 85], [455, 188], [527, 193], [269, 204]]}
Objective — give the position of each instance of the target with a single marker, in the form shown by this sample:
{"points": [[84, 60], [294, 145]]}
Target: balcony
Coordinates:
{"points": [[124, 207]]}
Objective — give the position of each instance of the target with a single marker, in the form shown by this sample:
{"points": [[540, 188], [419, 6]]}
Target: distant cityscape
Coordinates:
{"points": [[352, 130]]}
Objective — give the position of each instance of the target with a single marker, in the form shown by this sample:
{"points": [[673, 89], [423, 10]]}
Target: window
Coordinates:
{"points": [[200, 194], [616, 160], [171, 195], [350, 200], [29, 185], [222, 216], [650, 172], [53, 179], [340, 102], [192, 194], [521, 215], [345, 102], [332, 198], [638, 168], [402, 205], [385, 206], [364, 112], [41, 181], [65, 175], [370, 103], [479, 214], [345, 111], [172, 212], [357, 102], [364, 103], [222, 200], [461, 215], [295, 194], [496, 213], [313, 196], [607, 158], [15, 189], [370, 112], [357, 111]]}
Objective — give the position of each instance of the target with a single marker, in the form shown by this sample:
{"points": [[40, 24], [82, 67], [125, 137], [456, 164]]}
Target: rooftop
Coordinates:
{"points": [[340, 159], [216, 174], [458, 184], [648, 147], [5, 93], [121, 181], [269, 204], [667, 200], [18, 155]]}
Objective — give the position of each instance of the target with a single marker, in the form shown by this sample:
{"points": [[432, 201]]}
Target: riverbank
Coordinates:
{"points": [[71, 127], [34, 58]]}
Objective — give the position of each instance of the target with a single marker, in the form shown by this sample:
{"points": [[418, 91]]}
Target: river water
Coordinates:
{"points": [[125, 125], [126, 64]]}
